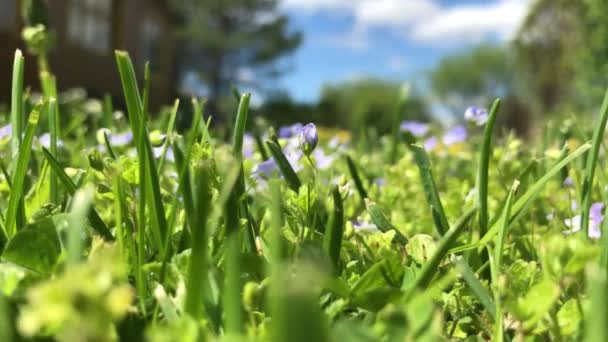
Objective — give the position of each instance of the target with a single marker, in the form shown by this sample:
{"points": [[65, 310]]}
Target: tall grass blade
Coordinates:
{"points": [[429, 269], [23, 159], [53, 113], [476, 287], [94, 219], [197, 269], [150, 181], [354, 173], [484, 166], [237, 151], [81, 206], [430, 189], [332, 240], [598, 137], [292, 179], [17, 115], [379, 219], [523, 203], [596, 328]]}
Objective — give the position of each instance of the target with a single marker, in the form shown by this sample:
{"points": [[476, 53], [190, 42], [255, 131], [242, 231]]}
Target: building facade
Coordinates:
{"points": [[87, 33]]}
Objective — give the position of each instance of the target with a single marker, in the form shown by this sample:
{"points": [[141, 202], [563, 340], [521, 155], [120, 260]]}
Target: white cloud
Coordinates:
{"points": [[425, 20], [473, 23], [394, 12]]}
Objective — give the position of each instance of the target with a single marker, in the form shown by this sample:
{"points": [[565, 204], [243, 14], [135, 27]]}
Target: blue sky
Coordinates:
{"points": [[393, 39]]}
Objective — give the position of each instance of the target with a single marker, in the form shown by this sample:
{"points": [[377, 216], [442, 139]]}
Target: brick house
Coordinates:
{"points": [[87, 33]]}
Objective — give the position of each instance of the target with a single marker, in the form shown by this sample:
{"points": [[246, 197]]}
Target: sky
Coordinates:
{"points": [[394, 39]]}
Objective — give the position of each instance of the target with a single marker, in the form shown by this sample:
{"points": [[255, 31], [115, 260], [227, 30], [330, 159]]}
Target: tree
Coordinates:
{"points": [[547, 49], [368, 103], [477, 77], [233, 41]]}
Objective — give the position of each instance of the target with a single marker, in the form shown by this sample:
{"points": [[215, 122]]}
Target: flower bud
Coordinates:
{"points": [[308, 138]]}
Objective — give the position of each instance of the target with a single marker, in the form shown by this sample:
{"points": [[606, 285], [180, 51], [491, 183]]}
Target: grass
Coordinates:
{"points": [[182, 237]]}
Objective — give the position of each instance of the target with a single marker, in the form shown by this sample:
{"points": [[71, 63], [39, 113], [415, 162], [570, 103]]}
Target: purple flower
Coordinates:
{"points": [[157, 151], [475, 114], [45, 141], [416, 128], [309, 138], [323, 160], [455, 135], [266, 168], [380, 182], [121, 139], [248, 145], [290, 131], [362, 226], [5, 131], [269, 167], [596, 218], [431, 143], [568, 182]]}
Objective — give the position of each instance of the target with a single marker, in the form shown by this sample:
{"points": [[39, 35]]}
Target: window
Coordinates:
{"points": [[8, 15], [89, 24], [150, 43]]}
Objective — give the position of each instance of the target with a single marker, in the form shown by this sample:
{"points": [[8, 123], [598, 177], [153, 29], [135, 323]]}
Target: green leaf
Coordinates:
{"points": [[430, 189], [598, 138], [484, 165], [96, 222], [290, 175], [523, 203], [332, 240], [476, 287], [36, 247], [352, 168], [19, 176], [430, 268], [379, 285], [379, 219]]}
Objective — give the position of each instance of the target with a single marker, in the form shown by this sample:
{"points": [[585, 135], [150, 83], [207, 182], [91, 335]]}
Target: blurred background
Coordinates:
{"points": [[339, 63]]}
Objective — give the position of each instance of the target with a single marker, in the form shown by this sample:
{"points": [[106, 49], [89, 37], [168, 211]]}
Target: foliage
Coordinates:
{"points": [[369, 102], [222, 38], [152, 234]]}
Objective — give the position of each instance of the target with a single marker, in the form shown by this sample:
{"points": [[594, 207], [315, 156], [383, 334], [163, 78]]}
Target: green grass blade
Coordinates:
{"points": [[503, 224], [237, 151], [107, 110], [332, 240], [523, 203], [277, 250], [595, 328], [137, 119], [496, 265], [354, 173], [484, 165], [53, 112], [233, 311], [476, 287], [168, 133], [430, 189], [96, 222], [17, 116], [292, 179], [197, 269], [598, 136], [240, 124], [81, 206], [380, 220], [432, 265], [23, 159]]}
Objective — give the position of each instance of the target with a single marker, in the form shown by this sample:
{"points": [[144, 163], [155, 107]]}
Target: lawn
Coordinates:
{"points": [[115, 226]]}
